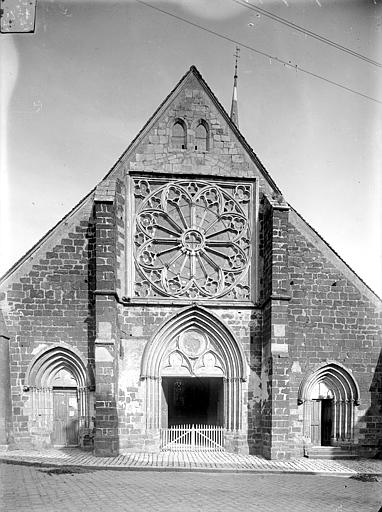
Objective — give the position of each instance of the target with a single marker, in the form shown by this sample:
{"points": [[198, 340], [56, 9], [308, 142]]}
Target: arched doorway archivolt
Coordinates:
{"points": [[194, 344], [59, 383], [52, 359], [329, 395]]}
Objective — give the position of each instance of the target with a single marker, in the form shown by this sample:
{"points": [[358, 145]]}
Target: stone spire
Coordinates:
{"points": [[234, 110]]}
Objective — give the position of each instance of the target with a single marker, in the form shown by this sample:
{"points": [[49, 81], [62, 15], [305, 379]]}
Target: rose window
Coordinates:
{"points": [[191, 239]]}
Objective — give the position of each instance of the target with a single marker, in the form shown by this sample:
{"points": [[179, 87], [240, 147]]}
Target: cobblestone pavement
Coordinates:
{"points": [[177, 461], [33, 489]]}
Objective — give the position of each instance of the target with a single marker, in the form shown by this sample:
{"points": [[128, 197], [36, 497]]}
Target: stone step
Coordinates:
{"points": [[330, 453], [330, 456], [328, 449]]}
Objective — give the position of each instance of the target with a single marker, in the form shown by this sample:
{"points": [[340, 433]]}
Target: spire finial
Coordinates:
{"points": [[234, 108]]}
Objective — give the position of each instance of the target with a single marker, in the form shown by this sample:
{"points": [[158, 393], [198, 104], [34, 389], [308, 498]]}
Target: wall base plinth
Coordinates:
{"points": [[106, 446]]}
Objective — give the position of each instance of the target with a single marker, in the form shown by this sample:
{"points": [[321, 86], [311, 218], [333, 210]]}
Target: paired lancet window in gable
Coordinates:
{"points": [[201, 136], [198, 138], [179, 135]]}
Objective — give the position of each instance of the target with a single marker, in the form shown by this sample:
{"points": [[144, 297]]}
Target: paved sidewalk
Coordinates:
{"points": [[190, 461]]}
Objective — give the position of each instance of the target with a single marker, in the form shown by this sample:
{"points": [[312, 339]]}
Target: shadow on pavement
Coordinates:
{"points": [[65, 471]]}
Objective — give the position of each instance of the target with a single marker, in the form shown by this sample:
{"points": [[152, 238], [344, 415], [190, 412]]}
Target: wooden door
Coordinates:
{"points": [[65, 417], [316, 422]]}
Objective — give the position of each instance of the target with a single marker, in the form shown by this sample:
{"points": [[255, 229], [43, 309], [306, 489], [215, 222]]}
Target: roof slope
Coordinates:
{"points": [[3, 327]]}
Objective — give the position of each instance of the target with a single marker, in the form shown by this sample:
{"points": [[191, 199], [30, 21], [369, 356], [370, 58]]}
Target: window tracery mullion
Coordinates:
{"points": [[168, 250], [204, 270], [203, 218], [175, 258], [193, 265], [183, 264], [182, 216], [208, 259], [217, 253], [217, 233], [211, 226], [219, 243], [167, 241], [171, 221], [193, 216], [163, 228], [228, 227]]}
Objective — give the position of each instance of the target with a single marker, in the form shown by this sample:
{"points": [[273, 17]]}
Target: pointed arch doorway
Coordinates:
{"points": [[329, 396], [59, 386], [194, 373]]}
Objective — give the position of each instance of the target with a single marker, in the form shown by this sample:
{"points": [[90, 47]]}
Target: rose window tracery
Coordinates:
{"points": [[192, 239]]}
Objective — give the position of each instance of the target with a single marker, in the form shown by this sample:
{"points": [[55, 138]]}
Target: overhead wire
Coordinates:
{"points": [[307, 32], [260, 52]]}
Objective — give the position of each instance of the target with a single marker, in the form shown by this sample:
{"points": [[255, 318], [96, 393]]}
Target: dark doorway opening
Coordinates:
{"points": [[321, 425], [326, 422], [192, 400]]}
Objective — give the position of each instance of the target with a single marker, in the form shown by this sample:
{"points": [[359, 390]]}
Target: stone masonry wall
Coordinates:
{"points": [[47, 304], [330, 320], [225, 156], [275, 350], [138, 325]]}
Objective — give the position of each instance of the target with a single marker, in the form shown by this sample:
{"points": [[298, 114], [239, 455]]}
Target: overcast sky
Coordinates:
{"points": [[78, 90]]}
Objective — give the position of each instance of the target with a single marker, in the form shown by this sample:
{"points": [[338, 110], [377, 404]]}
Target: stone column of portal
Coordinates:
{"points": [[5, 385], [275, 350], [106, 441]]}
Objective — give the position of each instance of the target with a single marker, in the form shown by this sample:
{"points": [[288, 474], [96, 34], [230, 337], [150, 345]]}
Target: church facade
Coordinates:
{"points": [[184, 291]]}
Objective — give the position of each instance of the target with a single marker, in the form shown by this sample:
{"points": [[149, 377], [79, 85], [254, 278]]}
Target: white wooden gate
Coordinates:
{"points": [[192, 438]]}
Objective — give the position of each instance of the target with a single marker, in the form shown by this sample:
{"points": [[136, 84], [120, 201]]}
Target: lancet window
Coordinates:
{"points": [[179, 135], [201, 137]]}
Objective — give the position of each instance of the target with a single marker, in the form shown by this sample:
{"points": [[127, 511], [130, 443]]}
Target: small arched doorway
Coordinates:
{"points": [[194, 372], [57, 380], [329, 396]]}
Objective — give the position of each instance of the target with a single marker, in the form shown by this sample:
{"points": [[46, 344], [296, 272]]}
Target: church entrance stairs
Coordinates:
{"points": [[330, 453]]}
